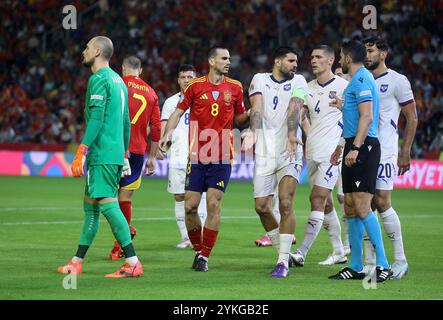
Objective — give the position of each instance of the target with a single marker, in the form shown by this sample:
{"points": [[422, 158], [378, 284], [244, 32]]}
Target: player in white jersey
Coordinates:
{"points": [[323, 134], [275, 118], [340, 194], [395, 97], [178, 156]]}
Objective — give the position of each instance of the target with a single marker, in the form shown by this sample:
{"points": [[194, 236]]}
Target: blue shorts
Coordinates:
{"points": [[200, 177], [133, 181]]}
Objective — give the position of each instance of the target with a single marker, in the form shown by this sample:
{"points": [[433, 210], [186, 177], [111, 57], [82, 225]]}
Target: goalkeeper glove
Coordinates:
{"points": [[79, 160], [126, 171]]}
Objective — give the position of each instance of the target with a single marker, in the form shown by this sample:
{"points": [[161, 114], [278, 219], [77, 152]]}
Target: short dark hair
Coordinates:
{"points": [[186, 67], [282, 51], [132, 62], [327, 49], [213, 50], [378, 41], [356, 49]]}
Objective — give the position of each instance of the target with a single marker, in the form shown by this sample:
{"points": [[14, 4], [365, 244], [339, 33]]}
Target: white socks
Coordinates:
{"points": [[332, 226], [180, 218], [370, 257], [392, 227], [345, 225], [202, 210], [76, 259], [285, 248], [132, 260], [276, 209], [274, 235], [313, 227]]}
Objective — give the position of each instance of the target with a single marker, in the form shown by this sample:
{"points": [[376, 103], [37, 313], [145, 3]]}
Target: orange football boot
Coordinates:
{"points": [[127, 271], [71, 267]]}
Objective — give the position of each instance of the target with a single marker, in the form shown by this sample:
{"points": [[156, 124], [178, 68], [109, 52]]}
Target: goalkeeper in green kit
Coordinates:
{"points": [[104, 146]]}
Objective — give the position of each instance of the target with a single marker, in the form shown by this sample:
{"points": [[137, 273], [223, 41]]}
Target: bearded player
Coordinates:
{"points": [[396, 97], [215, 101]]}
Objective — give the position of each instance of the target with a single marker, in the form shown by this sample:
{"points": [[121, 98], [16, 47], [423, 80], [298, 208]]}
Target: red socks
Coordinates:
{"points": [[205, 246], [209, 238], [195, 236], [126, 208]]}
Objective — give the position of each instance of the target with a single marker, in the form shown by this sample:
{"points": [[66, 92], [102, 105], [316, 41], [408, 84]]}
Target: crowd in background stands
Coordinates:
{"points": [[42, 82]]}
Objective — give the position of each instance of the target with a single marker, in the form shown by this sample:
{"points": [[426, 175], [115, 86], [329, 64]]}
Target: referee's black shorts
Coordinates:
{"points": [[362, 176]]}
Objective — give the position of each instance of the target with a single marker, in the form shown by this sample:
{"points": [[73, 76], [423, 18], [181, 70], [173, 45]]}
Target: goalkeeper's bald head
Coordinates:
{"points": [[105, 45]]}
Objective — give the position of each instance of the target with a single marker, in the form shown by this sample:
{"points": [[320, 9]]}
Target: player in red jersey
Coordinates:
{"points": [[144, 113], [215, 101]]}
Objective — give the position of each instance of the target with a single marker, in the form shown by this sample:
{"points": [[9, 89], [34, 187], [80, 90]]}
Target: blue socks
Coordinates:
{"points": [[373, 230], [356, 230]]}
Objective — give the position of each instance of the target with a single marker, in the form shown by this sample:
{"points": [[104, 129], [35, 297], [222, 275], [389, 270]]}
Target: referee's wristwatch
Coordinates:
{"points": [[354, 147]]}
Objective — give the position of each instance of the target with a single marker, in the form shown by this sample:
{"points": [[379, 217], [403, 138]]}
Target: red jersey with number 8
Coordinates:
{"points": [[211, 117], [143, 111]]}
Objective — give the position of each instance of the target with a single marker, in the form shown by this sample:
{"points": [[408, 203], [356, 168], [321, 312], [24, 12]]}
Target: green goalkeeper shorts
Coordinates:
{"points": [[102, 181]]}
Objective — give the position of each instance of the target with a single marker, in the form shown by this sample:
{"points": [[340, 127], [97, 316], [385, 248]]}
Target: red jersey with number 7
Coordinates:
{"points": [[211, 117], [143, 111]]}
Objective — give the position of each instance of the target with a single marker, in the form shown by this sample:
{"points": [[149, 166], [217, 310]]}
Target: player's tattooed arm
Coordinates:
{"points": [[255, 114], [294, 112], [249, 137]]}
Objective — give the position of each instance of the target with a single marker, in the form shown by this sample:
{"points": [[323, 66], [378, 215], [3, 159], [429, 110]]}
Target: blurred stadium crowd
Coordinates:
{"points": [[42, 82]]}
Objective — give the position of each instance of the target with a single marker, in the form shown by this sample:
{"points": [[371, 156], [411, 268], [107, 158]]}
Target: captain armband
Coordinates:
{"points": [[301, 94]]}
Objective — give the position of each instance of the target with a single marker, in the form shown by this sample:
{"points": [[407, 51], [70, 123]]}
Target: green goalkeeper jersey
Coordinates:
{"points": [[107, 90]]}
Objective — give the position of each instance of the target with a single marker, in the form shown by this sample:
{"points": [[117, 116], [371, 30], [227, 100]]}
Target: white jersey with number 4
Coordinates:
{"points": [[178, 153], [272, 139], [394, 92], [326, 121]]}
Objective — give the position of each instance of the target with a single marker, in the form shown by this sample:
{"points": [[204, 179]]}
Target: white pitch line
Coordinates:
{"points": [[79, 208], [135, 219], [252, 216]]}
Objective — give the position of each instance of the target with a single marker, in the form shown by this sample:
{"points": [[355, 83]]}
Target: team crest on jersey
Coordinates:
{"points": [[227, 96], [287, 87], [332, 94], [215, 94], [384, 88]]}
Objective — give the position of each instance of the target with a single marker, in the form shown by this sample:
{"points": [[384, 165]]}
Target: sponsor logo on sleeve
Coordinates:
{"points": [[365, 93], [96, 97]]}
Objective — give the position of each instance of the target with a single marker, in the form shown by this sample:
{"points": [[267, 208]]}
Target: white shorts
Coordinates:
{"points": [[323, 174], [386, 174], [269, 171], [176, 180]]}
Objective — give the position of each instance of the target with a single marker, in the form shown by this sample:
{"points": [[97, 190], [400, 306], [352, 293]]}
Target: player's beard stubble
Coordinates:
{"points": [[287, 74], [89, 63], [372, 65]]}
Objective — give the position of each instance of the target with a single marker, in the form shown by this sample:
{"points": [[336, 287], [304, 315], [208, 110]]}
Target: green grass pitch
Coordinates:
{"points": [[40, 221]]}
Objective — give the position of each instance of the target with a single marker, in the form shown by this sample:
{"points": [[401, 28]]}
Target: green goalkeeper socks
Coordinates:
{"points": [[90, 225], [119, 225]]}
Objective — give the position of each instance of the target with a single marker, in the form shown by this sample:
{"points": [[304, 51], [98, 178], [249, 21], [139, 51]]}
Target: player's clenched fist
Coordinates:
{"points": [[79, 161]]}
